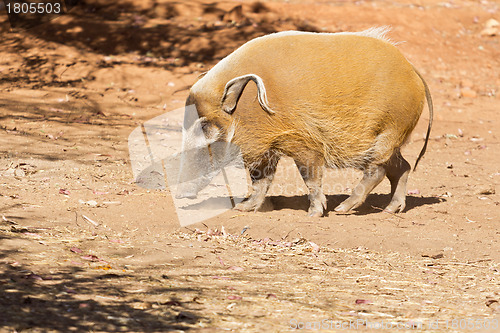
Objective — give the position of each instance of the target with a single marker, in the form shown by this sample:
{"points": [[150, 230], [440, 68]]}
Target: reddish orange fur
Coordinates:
{"points": [[340, 100]]}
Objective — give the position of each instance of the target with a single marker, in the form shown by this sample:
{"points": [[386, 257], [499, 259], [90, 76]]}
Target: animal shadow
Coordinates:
{"points": [[374, 203]]}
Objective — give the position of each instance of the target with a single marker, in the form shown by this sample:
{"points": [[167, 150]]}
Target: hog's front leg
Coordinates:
{"points": [[262, 176]]}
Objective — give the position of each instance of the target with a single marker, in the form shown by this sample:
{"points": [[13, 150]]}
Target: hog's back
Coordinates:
{"points": [[351, 98]]}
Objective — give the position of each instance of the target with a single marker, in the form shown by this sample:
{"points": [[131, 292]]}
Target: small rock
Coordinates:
{"points": [[19, 173], [492, 23], [487, 191], [363, 301], [75, 30], [468, 92], [493, 304], [92, 203], [433, 256], [142, 305], [490, 32], [491, 28]]}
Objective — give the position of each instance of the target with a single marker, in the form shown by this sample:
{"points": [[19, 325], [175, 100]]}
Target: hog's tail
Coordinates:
{"points": [[431, 115]]}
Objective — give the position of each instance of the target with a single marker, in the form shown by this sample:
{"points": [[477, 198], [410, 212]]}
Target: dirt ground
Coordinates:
{"points": [[84, 248]]}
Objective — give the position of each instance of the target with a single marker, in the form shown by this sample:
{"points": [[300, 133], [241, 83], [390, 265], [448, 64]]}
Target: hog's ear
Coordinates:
{"points": [[234, 89]]}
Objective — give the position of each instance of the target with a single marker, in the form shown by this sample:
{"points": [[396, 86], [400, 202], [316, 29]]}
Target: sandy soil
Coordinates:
{"points": [[83, 248]]}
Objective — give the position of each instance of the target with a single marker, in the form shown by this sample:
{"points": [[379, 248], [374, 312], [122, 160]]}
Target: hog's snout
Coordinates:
{"points": [[187, 190]]}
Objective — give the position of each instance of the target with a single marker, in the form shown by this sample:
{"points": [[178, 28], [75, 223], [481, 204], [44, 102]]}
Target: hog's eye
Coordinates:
{"points": [[205, 125], [210, 130]]}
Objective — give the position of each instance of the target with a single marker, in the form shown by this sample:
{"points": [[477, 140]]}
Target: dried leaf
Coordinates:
{"points": [[69, 290], [234, 297], [90, 257], [33, 276], [32, 234], [315, 247], [90, 220], [363, 301], [100, 192], [235, 268], [76, 250], [8, 221]]}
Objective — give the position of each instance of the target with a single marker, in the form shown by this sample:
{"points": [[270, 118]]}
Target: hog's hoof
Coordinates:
{"points": [[341, 209], [346, 206], [395, 206], [245, 206], [315, 211], [315, 214], [318, 206], [250, 205]]}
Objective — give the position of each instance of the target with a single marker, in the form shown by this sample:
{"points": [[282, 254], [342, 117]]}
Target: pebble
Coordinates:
{"points": [[468, 92], [91, 203], [491, 28], [491, 23], [487, 191], [490, 32], [433, 256], [19, 173]]}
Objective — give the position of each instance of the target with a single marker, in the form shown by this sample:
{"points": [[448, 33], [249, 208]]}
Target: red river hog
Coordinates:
{"points": [[336, 100]]}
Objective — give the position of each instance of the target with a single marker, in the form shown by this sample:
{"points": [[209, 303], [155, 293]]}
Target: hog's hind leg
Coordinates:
{"points": [[397, 169], [372, 176], [313, 178]]}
